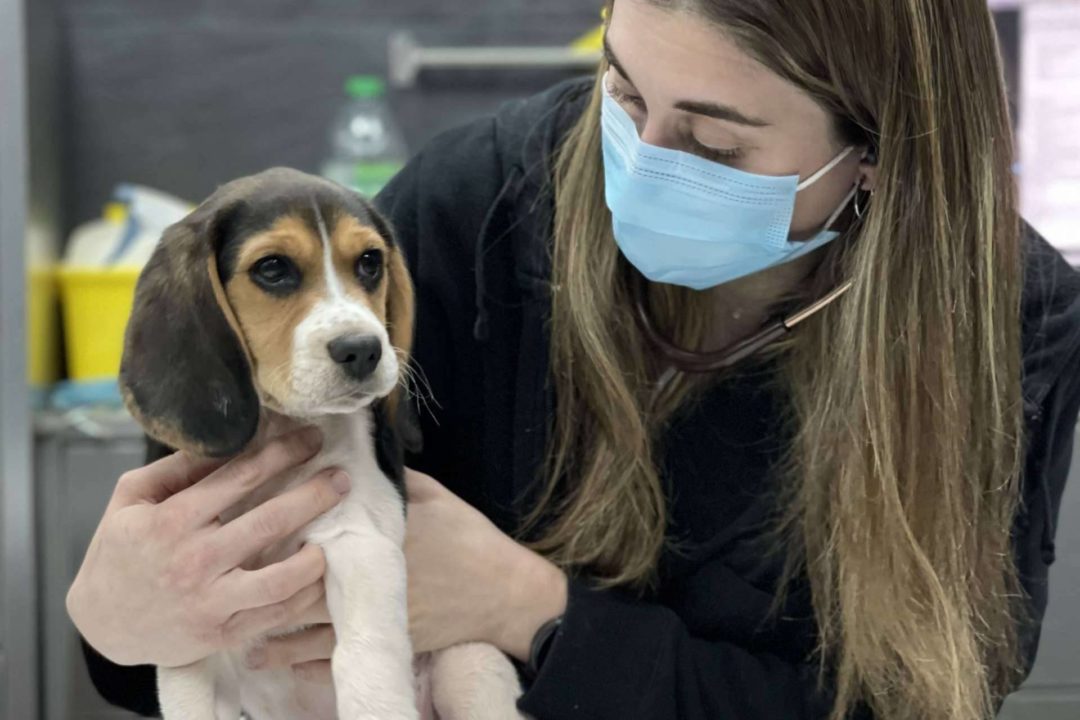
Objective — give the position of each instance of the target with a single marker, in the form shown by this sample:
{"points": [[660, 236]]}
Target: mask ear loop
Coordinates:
{"points": [[852, 194], [825, 170]]}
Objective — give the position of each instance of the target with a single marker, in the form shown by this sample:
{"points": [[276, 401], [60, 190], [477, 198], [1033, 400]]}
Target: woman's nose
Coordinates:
{"points": [[653, 133]]}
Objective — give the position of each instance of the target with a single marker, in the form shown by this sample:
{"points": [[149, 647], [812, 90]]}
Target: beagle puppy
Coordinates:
{"points": [[283, 300]]}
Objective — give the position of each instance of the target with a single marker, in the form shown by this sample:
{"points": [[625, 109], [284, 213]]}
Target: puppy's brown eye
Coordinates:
{"points": [[276, 274], [369, 266]]}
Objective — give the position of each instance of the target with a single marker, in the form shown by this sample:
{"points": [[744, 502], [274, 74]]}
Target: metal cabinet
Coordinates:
{"points": [[77, 461]]}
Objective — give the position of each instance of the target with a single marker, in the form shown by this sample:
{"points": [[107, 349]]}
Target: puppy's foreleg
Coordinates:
{"points": [[474, 681], [366, 596], [187, 692]]}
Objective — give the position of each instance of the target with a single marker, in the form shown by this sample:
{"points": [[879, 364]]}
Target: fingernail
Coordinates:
{"points": [[255, 658], [340, 481], [311, 437]]}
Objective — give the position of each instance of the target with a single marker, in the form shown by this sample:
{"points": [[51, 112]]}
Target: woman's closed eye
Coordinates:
{"points": [[626, 99], [721, 155], [634, 103]]}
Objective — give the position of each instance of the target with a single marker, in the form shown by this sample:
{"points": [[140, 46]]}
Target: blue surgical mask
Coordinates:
{"points": [[684, 220]]}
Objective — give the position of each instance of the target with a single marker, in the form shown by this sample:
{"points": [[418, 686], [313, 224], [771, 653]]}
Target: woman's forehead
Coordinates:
{"points": [[673, 55]]}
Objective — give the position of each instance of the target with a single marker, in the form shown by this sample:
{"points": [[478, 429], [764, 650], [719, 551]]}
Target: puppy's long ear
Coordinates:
{"points": [[400, 302], [185, 374], [400, 320]]}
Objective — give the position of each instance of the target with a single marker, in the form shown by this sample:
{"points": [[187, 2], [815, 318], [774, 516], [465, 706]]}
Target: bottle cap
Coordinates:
{"points": [[115, 212], [365, 86]]}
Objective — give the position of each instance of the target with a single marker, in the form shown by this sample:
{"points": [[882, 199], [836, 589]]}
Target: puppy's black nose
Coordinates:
{"points": [[358, 355]]}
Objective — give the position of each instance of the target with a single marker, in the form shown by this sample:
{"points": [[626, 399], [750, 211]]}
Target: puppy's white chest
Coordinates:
{"points": [[371, 516], [373, 500]]}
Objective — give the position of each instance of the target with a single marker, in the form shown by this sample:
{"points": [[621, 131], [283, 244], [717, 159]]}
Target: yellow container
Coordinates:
{"points": [[97, 304], [42, 328]]}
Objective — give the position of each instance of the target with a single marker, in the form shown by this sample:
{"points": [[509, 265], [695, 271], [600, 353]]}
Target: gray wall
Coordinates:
{"points": [[186, 95]]}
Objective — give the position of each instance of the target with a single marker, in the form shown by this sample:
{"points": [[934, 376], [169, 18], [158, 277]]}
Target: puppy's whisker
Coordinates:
{"points": [[412, 373], [410, 369], [426, 407], [407, 381], [418, 371]]}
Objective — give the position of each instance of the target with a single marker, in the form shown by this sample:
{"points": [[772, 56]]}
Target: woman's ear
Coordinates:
{"points": [[868, 170], [185, 374]]}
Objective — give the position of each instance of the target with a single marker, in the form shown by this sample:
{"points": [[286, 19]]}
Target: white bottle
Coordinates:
{"points": [[151, 212], [91, 243], [366, 145]]}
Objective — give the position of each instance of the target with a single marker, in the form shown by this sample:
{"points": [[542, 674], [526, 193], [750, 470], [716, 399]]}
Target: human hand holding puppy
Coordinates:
{"points": [[468, 581], [162, 581]]}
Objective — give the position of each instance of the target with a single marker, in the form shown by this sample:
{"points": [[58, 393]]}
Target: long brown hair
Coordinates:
{"points": [[901, 483]]}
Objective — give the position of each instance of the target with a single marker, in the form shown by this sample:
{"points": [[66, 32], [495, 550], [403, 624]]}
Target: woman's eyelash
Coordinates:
{"points": [[716, 154], [622, 97]]}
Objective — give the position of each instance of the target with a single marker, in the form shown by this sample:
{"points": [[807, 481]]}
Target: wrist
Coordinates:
{"points": [[536, 593]]}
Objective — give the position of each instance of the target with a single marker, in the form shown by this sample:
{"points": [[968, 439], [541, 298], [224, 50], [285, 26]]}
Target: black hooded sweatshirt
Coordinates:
{"points": [[473, 212]]}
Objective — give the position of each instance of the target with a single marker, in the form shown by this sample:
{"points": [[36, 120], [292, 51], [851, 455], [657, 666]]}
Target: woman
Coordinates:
{"points": [[657, 504]]}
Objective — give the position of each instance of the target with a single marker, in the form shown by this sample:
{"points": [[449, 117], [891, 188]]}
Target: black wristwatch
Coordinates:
{"points": [[541, 643]]}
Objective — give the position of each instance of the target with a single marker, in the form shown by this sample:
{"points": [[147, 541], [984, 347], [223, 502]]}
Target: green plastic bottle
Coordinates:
{"points": [[366, 145]]}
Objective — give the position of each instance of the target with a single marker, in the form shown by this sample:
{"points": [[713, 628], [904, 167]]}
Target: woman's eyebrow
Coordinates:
{"points": [[720, 112], [697, 107]]}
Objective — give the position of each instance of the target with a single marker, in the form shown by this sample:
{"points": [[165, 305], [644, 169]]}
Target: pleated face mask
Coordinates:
{"points": [[684, 220]]}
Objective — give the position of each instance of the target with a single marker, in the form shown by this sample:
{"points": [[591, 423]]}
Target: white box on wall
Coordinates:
{"points": [[1050, 121]]}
